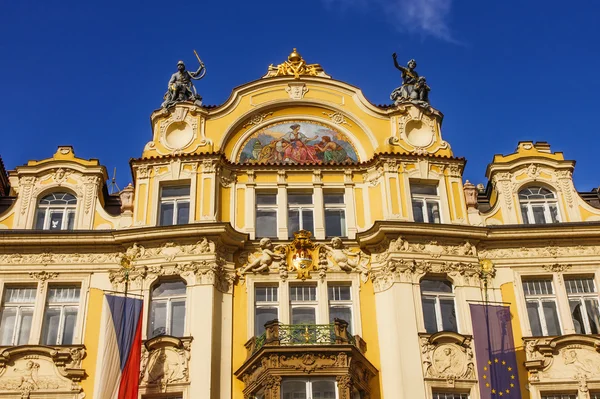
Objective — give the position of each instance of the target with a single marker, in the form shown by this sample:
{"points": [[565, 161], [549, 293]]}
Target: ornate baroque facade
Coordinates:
{"points": [[298, 241]]}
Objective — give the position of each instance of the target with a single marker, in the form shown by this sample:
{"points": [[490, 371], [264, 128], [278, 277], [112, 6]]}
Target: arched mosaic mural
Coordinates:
{"points": [[297, 142]]}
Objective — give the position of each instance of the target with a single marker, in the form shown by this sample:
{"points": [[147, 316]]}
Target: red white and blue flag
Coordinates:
{"points": [[119, 369]]}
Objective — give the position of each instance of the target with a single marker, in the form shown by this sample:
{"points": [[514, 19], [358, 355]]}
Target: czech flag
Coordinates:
{"points": [[119, 370]]}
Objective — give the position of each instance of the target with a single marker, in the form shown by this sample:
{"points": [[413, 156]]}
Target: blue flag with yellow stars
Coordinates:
{"points": [[495, 352]]}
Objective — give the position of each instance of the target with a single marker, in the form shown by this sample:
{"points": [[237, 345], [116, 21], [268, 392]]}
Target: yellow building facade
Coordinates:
{"points": [[300, 242]]}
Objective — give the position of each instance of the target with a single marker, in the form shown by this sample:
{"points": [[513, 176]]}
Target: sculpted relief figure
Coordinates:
{"points": [[181, 88], [414, 87], [344, 258], [269, 255]]}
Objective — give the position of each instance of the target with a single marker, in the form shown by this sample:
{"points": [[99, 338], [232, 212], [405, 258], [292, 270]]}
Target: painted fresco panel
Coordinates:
{"points": [[297, 142]]}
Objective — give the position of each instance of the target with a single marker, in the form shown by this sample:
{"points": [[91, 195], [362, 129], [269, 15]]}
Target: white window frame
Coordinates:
{"points": [[175, 200], [582, 297], [335, 206], [539, 299], [67, 210], [305, 303], [438, 307], [61, 305], [439, 394], [529, 204], [300, 208], [19, 306], [341, 303], [266, 207], [169, 300], [309, 381], [561, 395], [266, 304], [424, 199]]}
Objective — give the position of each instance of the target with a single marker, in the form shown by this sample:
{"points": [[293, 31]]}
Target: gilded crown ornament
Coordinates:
{"points": [[295, 66]]}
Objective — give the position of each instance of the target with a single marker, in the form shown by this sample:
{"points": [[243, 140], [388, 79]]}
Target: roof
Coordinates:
{"points": [[4, 185]]}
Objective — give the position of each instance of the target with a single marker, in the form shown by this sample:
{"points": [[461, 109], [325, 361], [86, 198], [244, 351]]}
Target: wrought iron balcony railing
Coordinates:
{"points": [[277, 334]]}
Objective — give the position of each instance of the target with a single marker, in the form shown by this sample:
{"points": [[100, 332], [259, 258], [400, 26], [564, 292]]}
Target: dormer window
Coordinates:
{"points": [[538, 206], [56, 211]]}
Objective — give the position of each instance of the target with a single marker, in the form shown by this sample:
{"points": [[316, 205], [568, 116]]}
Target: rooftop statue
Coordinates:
{"points": [[414, 87], [295, 66], [181, 88]]}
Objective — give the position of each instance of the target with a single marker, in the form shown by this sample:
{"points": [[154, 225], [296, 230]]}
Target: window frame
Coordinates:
{"points": [[300, 208], [266, 207], [333, 206], [62, 305], [309, 381], [425, 199], [436, 295], [265, 304], [169, 300], [341, 303], [17, 326], [539, 299], [299, 304], [582, 297], [68, 211], [529, 204], [175, 200]]}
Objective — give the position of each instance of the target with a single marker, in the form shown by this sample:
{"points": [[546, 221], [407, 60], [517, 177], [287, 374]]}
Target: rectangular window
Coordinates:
{"points": [[448, 395], [174, 205], [17, 315], [60, 315], [300, 213], [314, 388], [340, 303], [541, 307], [437, 299], [266, 307], [335, 215], [561, 396], [583, 301], [303, 304], [266, 215], [425, 203]]}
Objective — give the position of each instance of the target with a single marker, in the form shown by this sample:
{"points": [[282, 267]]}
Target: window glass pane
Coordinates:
{"points": [[25, 328], [266, 223], [63, 294], [335, 223], [341, 312], [303, 293], [51, 326], [158, 319], [418, 211], [307, 220], [70, 220], [175, 191], [291, 389], [593, 315], [448, 314], [263, 315], [69, 325], [436, 286], [333, 198], [56, 218], [426, 189], [429, 314], [166, 214], [433, 212], [293, 221], [534, 318], [577, 315], [303, 199], [339, 293], [183, 212], [39, 219], [553, 213], [177, 318], [7, 326], [19, 295], [525, 214], [266, 199], [265, 294], [551, 316], [323, 389], [538, 214], [303, 315], [169, 288]]}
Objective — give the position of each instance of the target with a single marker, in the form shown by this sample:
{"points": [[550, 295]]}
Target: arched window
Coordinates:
{"points": [[538, 206], [437, 298], [167, 310], [56, 211]]}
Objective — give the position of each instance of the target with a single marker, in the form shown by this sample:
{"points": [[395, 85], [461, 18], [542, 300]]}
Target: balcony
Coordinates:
{"points": [[326, 350]]}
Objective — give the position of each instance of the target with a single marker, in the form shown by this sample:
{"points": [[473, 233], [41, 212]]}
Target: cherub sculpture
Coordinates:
{"points": [[269, 254], [344, 258]]}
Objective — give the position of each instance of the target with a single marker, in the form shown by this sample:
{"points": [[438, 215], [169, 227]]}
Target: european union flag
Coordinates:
{"points": [[495, 352]]}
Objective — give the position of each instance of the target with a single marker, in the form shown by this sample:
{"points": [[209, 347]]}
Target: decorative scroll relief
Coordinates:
{"points": [[549, 251], [41, 370], [567, 359], [297, 142], [165, 362], [447, 356], [417, 132]]}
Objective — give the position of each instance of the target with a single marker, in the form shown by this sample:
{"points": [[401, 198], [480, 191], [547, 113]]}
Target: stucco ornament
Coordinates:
{"points": [[346, 259], [269, 255], [165, 361], [295, 66]]}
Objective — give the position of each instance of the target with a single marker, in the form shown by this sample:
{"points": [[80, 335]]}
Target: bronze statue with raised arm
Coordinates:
{"points": [[414, 88], [181, 88]]}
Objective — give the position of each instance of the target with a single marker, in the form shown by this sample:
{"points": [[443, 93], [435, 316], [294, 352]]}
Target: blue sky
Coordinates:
{"points": [[89, 73]]}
